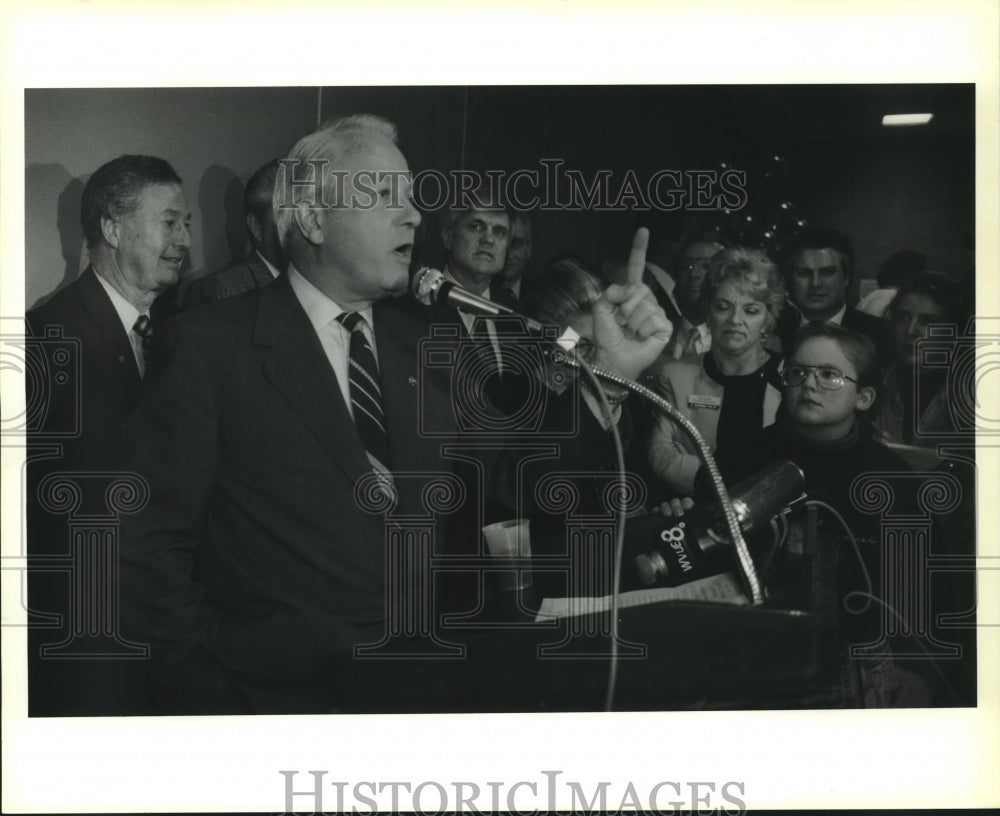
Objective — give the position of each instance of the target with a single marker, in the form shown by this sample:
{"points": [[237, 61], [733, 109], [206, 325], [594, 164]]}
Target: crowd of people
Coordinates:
{"points": [[293, 378]]}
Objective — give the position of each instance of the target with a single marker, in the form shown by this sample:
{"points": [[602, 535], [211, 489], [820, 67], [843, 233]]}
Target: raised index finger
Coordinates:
{"points": [[637, 257]]}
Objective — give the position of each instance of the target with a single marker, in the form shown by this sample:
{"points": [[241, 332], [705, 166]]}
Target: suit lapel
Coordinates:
{"points": [[448, 316], [852, 320], [415, 396], [397, 375], [115, 345], [298, 368], [663, 297], [259, 272], [407, 388]]}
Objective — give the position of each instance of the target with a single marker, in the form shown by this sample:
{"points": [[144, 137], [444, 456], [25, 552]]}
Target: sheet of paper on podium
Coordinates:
{"points": [[723, 588]]}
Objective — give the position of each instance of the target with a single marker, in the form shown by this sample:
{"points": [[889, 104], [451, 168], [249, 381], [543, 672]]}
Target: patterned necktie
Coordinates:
{"points": [[692, 348], [143, 328], [365, 392]]}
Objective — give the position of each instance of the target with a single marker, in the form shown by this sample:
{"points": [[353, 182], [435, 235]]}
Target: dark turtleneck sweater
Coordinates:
{"points": [[829, 469]]}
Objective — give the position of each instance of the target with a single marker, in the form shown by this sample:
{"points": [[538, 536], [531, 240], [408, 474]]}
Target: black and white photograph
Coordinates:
{"points": [[541, 418]]}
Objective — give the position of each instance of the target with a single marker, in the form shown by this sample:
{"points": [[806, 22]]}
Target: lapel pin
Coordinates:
{"points": [[413, 380]]}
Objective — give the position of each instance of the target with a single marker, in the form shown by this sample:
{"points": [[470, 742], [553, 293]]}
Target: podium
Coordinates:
{"points": [[781, 655]]}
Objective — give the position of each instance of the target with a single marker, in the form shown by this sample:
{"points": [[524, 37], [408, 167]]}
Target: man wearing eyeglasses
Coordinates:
{"points": [[691, 337]]}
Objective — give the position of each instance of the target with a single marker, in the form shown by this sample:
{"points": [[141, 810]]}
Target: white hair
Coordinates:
{"points": [[296, 182]]}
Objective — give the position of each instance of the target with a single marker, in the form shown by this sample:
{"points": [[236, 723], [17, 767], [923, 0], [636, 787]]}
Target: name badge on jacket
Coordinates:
{"points": [[700, 401]]}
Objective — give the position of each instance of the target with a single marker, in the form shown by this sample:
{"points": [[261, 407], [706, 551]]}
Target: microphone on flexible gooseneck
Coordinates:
{"points": [[429, 287], [697, 544]]}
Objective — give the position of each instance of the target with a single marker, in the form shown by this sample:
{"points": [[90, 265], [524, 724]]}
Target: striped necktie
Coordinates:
{"points": [[365, 391]]}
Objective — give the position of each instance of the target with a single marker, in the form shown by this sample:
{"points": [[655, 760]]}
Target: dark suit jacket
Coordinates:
{"points": [[84, 415], [242, 276], [497, 285], [666, 299], [254, 571], [507, 392], [107, 390], [878, 329]]}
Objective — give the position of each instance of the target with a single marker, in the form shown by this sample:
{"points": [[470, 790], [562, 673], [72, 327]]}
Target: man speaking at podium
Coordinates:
{"points": [[255, 570]]}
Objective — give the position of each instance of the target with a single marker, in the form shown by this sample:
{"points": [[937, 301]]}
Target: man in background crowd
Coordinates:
{"points": [[819, 270], [136, 220], [266, 259], [891, 274], [691, 336], [476, 235], [511, 285]]}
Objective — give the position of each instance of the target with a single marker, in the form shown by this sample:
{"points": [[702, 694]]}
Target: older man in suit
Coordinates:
{"points": [[284, 435], [266, 259], [511, 285], [476, 234], [136, 220]]}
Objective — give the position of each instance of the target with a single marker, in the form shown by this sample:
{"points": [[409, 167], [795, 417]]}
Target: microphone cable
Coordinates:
{"points": [[868, 594], [748, 571], [619, 524]]}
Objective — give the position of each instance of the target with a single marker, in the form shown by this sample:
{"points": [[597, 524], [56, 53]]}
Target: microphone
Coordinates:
{"points": [[429, 287], [697, 544]]}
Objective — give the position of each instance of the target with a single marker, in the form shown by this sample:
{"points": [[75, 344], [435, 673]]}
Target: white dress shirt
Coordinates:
{"points": [[128, 314], [270, 266], [695, 340], [333, 336]]}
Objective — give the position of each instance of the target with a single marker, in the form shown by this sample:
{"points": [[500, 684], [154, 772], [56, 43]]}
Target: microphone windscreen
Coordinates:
{"points": [[425, 285]]}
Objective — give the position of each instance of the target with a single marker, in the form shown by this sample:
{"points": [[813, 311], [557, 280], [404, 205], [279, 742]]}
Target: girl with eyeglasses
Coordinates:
{"points": [[832, 381]]}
